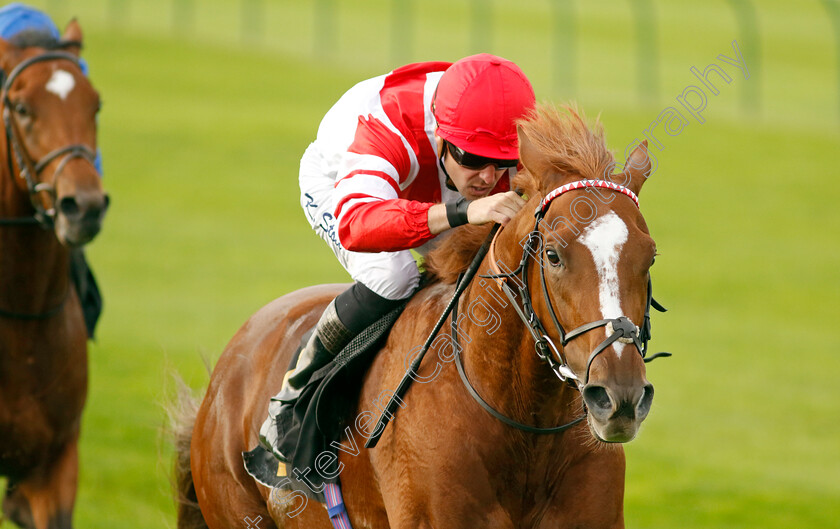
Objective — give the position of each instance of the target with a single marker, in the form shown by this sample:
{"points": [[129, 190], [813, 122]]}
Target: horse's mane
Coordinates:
{"points": [[566, 144], [454, 254]]}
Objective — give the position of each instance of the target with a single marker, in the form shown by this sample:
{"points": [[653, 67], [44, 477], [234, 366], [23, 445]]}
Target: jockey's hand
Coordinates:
{"points": [[499, 208]]}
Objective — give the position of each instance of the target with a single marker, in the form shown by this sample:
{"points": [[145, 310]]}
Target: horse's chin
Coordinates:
{"points": [[75, 234], [616, 430]]}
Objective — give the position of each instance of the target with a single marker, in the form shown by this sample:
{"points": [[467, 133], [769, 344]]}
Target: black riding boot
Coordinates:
{"points": [[328, 339], [345, 317]]}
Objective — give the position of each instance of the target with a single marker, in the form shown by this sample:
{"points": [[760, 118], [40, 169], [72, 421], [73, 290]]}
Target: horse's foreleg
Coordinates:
{"points": [[16, 508], [591, 493], [45, 498]]}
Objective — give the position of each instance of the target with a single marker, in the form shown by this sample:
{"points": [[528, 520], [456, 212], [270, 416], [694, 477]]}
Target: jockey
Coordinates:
{"points": [[399, 160], [17, 21]]}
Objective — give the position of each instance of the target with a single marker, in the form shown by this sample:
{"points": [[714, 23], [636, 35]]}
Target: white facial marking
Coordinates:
{"points": [[61, 83], [604, 238]]}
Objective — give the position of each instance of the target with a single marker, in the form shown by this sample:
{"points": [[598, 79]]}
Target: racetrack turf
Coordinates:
{"points": [[201, 136]]}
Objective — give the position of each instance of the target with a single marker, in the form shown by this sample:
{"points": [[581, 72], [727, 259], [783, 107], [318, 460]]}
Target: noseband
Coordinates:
{"points": [[30, 169]]}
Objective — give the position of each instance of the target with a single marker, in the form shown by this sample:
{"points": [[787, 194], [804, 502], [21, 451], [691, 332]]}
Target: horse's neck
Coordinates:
{"points": [[500, 356], [33, 265]]}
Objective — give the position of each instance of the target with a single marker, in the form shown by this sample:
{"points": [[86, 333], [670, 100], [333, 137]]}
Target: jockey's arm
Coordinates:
{"points": [[498, 208], [389, 225]]}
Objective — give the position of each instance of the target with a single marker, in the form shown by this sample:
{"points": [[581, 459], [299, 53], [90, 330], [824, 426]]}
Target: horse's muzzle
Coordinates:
{"points": [[79, 217], [616, 413]]}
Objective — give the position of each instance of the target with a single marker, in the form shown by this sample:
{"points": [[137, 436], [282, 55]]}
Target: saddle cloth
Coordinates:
{"points": [[309, 433]]}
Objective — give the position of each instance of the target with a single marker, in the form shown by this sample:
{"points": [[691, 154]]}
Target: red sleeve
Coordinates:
{"points": [[385, 226], [375, 138]]}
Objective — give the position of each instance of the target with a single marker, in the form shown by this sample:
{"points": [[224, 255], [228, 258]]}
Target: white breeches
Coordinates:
{"points": [[392, 275]]}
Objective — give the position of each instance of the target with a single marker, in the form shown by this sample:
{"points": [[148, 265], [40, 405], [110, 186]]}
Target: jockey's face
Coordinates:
{"points": [[472, 183]]}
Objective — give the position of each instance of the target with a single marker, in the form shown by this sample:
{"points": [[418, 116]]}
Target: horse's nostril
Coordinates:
{"points": [[597, 398], [83, 207], [68, 206], [646, 401]]}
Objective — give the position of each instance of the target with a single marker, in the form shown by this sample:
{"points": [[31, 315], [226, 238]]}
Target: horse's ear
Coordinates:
{"points": [[72, 38], [547, 176], [533, 158], [637, 169], [529, 155]]}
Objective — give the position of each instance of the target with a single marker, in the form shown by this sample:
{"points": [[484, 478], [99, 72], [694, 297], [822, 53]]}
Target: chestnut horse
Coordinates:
{"points": [[51, 200], [444, 461]]}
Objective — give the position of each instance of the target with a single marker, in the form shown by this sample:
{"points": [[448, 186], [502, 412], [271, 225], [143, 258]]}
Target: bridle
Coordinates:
{"points": [[620, 329], [31, 169]]}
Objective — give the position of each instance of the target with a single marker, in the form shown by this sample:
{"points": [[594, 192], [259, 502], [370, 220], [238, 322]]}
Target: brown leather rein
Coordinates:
{"points": [[30, 169], [620, 328]]}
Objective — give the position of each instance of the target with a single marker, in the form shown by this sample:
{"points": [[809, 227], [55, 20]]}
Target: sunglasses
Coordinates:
{"points": [[473, 161]]}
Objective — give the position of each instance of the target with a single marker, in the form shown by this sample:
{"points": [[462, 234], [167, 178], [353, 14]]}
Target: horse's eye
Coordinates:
{"points": [[22, 110], [553, 257]]}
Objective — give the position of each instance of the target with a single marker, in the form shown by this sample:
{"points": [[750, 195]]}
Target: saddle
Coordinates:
{"points": [[310, 433]]}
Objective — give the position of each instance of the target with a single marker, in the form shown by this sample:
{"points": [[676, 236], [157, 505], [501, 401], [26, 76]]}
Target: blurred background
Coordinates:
{"points": [[209, 105]]}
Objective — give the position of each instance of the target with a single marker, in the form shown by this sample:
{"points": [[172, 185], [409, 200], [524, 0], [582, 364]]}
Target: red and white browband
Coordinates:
{"points": [[580, 185]]}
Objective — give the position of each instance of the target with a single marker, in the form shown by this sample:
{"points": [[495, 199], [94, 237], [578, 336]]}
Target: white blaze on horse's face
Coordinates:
{"points": [[61, 83], [604, 239]]}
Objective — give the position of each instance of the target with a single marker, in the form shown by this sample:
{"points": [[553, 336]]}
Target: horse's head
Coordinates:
{"points": [[49, 112], [594, 257]]}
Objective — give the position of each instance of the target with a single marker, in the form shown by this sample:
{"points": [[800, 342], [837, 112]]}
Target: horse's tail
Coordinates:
{"points": [[182, 413]]}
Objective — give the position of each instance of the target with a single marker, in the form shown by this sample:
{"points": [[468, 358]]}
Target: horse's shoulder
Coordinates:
{"points": [[432, 298], [283, 319]]}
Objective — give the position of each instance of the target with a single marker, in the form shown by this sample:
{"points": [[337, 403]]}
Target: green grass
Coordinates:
{"points": [[201, 135]]}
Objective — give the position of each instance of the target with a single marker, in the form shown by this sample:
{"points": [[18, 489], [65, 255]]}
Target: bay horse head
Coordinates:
{"points": [[593, 252], [49, 110]]}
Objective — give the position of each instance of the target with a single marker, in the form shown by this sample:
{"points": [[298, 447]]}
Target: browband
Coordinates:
{"points": [[580, 185]]}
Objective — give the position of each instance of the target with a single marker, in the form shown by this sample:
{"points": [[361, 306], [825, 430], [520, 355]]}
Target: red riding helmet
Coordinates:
{"points": [[477, 102]]}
